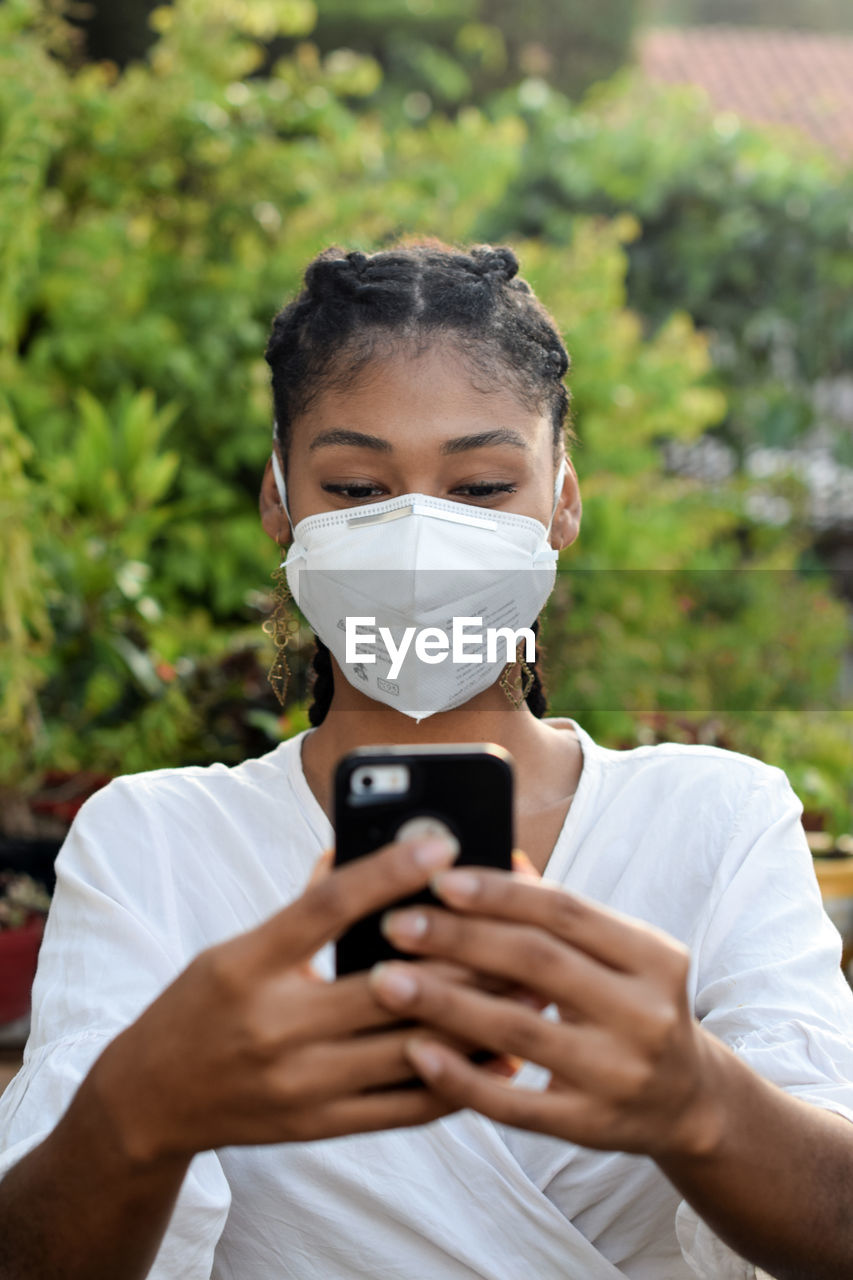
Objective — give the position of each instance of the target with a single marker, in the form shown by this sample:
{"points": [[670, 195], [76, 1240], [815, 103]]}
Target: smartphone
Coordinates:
{"points": [[384, 794]]}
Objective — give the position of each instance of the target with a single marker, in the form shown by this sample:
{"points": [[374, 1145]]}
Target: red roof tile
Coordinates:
{"points": [[793, 78]]}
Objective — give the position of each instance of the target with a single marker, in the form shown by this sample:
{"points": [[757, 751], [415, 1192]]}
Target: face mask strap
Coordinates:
{"points": [[558, 489], [279, 475]]}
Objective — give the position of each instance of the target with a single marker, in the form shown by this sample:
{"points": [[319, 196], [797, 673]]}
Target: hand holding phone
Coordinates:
{"points": [[384, 794]]}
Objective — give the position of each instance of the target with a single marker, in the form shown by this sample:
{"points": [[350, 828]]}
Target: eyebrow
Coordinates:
{"points": [[358, 438], [459, 444], [500, 435]]}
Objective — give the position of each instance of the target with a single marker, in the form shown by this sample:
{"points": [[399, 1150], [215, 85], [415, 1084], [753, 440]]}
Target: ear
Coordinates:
{"points": [[567, 518], [273, 517]]}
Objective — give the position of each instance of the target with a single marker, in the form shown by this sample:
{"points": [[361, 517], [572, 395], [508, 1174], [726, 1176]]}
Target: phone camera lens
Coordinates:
{"points": [[367, 781]]}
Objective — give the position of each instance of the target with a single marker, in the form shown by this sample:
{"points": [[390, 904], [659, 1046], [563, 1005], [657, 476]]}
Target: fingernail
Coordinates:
{"points": [[506, 1066], [435, 853], [404, 924], [456, 886], [428, 1060], [397, 984], [522, 865]]}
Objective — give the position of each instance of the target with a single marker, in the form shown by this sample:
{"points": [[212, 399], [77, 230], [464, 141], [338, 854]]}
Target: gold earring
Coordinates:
{"points": [[517, 690], [279, 626]]}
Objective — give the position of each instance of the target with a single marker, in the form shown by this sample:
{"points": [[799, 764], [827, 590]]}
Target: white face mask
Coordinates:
{"points": [[412, 563]]}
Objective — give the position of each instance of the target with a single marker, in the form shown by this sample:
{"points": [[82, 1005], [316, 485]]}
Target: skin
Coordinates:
{"points": [[276, 1053]]}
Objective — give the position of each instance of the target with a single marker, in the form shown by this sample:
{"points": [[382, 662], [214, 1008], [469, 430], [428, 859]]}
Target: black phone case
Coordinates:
{"points": [[469, 788]]}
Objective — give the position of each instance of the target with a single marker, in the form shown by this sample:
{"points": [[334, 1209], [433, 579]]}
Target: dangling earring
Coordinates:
{"points": [[280, 626], [517, 690]]}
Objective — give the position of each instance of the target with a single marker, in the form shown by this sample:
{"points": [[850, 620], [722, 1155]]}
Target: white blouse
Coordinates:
{"points": [[703, 843]]}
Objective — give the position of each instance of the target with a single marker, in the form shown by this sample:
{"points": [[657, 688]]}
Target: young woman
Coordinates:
{"points": [[198, 1099]]}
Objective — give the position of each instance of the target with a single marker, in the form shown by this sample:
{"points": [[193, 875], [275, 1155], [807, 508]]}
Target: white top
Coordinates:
{"points": [[703, 843]]}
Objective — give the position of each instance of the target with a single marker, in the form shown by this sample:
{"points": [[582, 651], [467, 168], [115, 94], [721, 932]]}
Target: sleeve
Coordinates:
{"points": [[768, 979], [110, 947]]}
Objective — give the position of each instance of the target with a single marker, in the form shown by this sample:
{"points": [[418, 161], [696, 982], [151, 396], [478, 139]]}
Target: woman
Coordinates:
{"points": [[188, 1063]]}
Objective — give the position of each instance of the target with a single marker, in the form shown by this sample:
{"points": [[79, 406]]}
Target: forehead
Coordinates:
{"points": [[409, 396]]}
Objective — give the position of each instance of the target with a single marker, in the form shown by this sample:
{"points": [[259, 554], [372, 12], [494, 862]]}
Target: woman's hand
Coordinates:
{"points": [[248, 1045], [631, 1069]]}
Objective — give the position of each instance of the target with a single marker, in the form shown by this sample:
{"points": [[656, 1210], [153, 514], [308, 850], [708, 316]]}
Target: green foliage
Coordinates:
{"points": [[752, 239], [433, 53], [24, 625], [572, 44], [155, 221], [447, 53], [815, 751]]}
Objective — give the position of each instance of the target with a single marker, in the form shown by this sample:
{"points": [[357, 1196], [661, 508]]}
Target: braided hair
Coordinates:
{"points": [[355, 307]]}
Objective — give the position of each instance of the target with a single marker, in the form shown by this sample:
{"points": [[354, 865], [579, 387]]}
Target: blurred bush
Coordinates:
{"points": [[152, 222], [749, 236], [443, 53], [447, 53]]}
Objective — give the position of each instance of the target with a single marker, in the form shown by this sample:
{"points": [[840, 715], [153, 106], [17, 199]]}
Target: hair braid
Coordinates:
{"points": [[323, 686]]}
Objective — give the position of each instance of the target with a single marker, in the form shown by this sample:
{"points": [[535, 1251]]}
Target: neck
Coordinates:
{"points": [[354, 720]]}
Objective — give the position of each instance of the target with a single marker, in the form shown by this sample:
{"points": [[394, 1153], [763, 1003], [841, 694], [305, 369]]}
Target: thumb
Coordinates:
{"points": [[321, 868]]}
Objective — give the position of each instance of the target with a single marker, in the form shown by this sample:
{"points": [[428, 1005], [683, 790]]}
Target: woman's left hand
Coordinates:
{"points": [[631, 1069]]}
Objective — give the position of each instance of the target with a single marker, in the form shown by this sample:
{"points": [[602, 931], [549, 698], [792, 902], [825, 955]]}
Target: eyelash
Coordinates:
{"points": [[486, 490], [359, 492], [354, 491]]}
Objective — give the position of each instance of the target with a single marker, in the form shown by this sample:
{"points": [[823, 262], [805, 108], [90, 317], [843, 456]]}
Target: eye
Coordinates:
{"points": [[483, 490], [355, 491]]}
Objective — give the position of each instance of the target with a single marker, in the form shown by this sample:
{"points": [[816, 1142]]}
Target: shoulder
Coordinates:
{"points": [[220, 787], [187, 818], [666, 830], [207, 851], [685, 778]]}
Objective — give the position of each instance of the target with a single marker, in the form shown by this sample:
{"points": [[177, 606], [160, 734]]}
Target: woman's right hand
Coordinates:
{"points": [[249, 1045]]}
